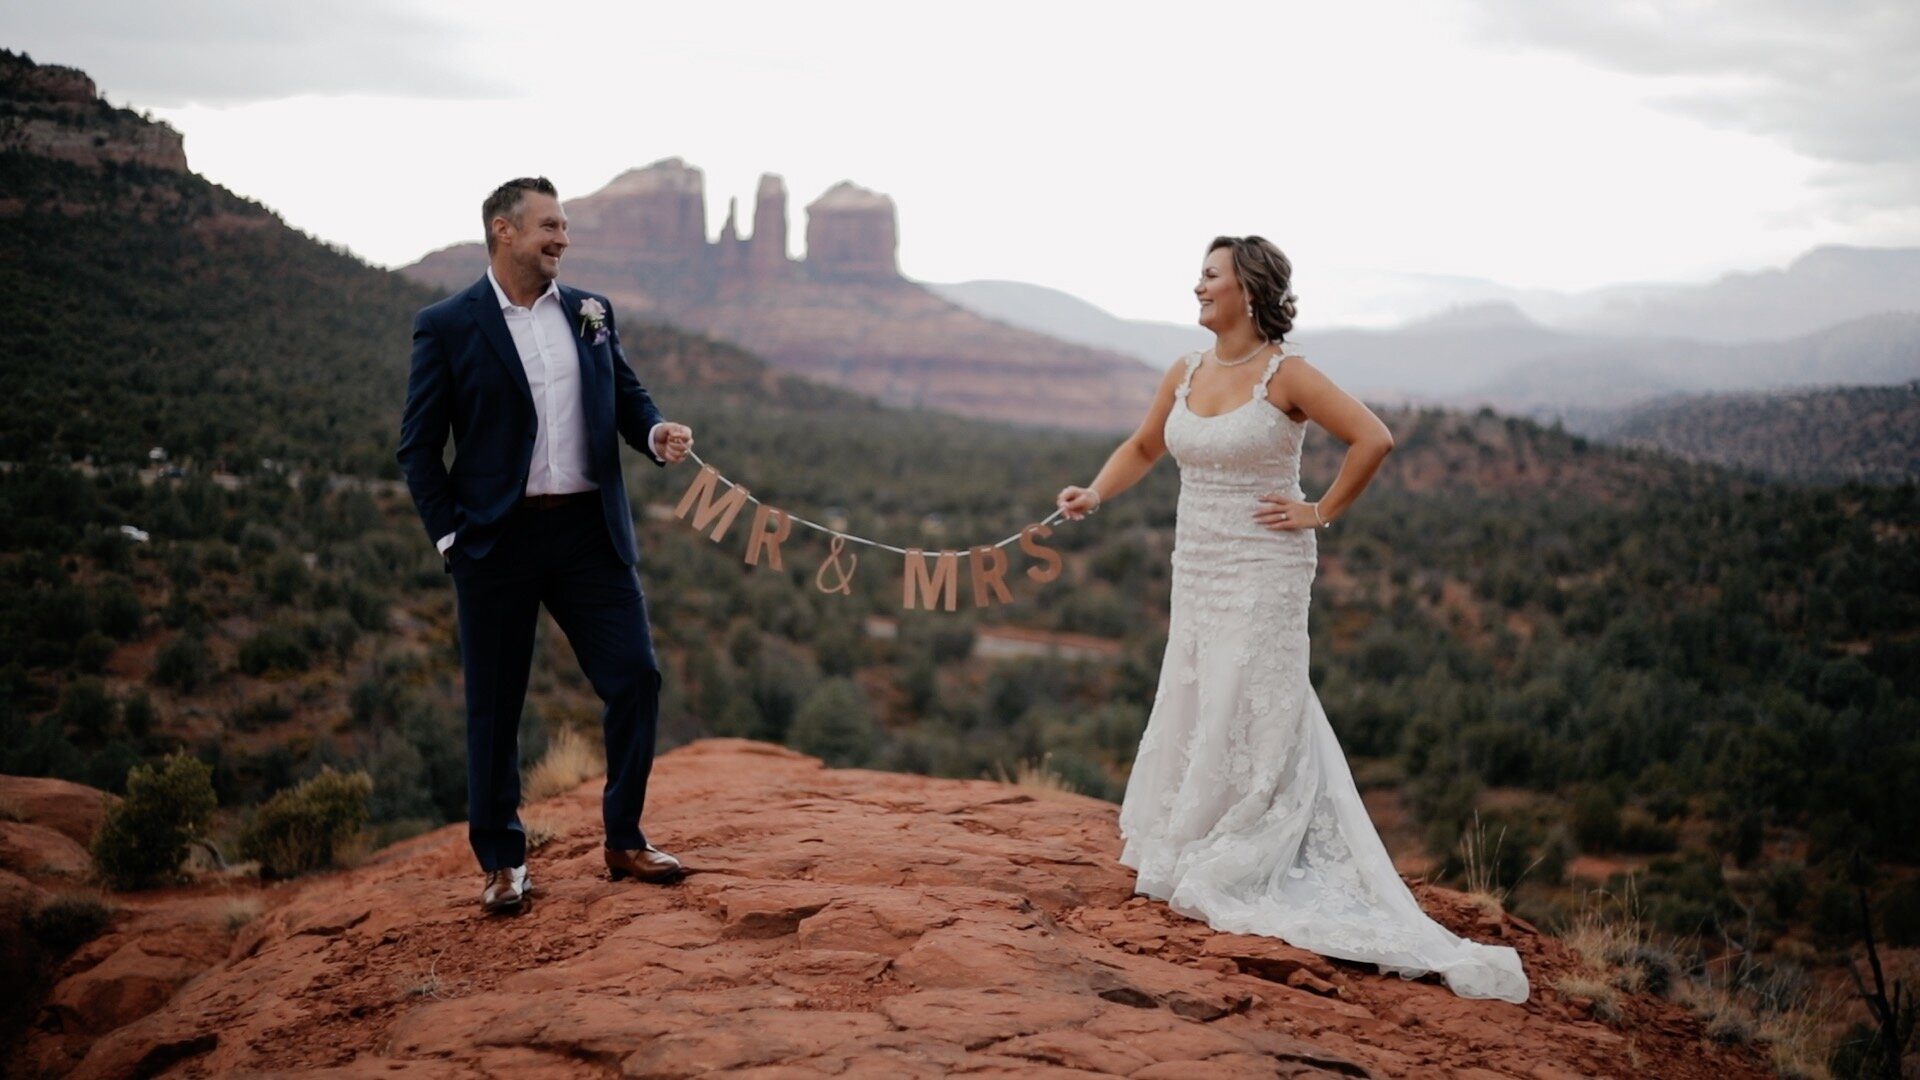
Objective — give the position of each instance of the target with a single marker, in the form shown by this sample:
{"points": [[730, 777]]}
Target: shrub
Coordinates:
{"points": [[279, 647], [1786, 887], [136, 712], [260, 713], [64, 923], [1640, 833], [1596, 819], [107, 767], [87, 709], [1085, 775], [120, 611], [92, 651], [1900, 914], [840, 648], [835, 725], [143, 839], [285, 579], [185, 663], [302, 828]]}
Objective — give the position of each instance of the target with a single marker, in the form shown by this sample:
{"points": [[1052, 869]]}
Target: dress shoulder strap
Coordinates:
{"points": [[1192, 361], [1273, 365]]}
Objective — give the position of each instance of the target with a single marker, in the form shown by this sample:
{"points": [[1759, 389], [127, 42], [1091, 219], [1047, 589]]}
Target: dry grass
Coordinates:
{"points": [[1600, 991], [1615, 955], [1799, 1038], [1606, 939], [1479, 862], [1797, 1034], [355, 850], [1036, 776], [428, 987], [238, 911], [539, 832], [572, 759], [1728, 1020], [431, 985]]}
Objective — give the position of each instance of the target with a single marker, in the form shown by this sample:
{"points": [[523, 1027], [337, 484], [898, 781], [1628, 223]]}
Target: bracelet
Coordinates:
{"points": [[1096, 501], [1319, 518]]}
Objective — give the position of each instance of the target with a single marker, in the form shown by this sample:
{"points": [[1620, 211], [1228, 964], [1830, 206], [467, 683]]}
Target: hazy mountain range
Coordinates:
{"points": [[1836, 315]]}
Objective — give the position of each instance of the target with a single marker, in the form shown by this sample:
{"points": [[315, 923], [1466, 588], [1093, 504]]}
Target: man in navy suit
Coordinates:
{"points": [[528, 377]]}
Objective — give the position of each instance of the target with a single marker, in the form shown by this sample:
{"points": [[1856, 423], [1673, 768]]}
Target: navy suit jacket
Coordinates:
{"points": [[467, 380]]}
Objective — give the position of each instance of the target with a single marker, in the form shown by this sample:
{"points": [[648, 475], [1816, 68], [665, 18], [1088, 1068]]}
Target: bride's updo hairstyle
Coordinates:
{"points": [[1266, 276]]}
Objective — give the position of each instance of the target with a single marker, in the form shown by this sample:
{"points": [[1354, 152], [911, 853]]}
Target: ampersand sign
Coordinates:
{"points": [[843, 575]]}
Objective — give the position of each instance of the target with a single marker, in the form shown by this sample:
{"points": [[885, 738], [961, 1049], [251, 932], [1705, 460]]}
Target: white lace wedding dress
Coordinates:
{"points": [[1241, 810]]}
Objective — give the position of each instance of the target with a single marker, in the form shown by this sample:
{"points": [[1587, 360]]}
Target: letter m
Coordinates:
{"points": [[701, 493]]}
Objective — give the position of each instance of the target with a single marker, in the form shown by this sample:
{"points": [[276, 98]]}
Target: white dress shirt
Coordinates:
{"points": [[543, 336], [544, 340]]}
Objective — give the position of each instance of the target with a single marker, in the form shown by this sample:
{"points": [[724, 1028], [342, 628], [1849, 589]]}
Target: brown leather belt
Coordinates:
{"points": [[554, 502]]}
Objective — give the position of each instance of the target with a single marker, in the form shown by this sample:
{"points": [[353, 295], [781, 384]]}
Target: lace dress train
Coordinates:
{"points": [[1241, 810]]}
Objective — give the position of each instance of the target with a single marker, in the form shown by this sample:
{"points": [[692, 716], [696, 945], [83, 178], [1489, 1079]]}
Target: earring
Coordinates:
{"points": [[1249, 309]]}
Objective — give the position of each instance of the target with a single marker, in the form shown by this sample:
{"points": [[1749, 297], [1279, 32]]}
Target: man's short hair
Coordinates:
{"points": [[506, 199]]}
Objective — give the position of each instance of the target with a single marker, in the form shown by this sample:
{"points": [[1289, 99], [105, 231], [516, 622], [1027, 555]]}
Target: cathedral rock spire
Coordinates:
{"points": [[767, 251]]}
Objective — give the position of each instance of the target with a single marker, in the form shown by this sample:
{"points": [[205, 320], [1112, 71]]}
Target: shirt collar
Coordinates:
{"points": [[500, 294]]}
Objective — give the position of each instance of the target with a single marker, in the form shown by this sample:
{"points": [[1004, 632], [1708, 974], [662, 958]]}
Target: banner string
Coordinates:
{"points": [[1057, 515]]}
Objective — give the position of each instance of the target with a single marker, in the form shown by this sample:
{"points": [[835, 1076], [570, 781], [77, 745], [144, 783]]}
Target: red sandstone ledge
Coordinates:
{"points": [[836, 923]]}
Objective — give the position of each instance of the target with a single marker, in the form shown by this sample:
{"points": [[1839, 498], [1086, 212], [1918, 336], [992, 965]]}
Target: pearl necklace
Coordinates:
{"points": [[1242, 360]]}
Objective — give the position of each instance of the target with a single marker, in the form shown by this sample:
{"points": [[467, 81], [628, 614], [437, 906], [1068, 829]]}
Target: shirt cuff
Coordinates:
{"points": [[445, 542], [653, 440]]}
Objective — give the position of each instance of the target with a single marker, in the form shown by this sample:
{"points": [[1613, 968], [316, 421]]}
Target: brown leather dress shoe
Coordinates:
{"points": [[649, 864], [507, 891]]}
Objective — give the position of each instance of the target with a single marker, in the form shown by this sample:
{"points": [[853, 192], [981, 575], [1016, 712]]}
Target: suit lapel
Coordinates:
{"points": [[493, 326]]}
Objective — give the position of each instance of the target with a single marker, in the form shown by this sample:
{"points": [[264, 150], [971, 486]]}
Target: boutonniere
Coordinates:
{"points": [[593, 316]]}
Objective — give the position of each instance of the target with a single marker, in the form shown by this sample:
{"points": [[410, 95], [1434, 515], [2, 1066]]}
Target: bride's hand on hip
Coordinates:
{"points": [[1280, 514], [1077, 502]]}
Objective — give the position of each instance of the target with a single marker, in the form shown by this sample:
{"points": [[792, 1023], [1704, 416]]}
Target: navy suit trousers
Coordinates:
{"points": [[561, 558]]}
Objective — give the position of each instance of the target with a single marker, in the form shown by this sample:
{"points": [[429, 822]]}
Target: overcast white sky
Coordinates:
{"points": [[1091, 147]]}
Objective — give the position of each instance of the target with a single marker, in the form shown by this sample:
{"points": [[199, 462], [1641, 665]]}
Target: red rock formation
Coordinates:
{"points": [[836, 923], [73, 810], [851, 234], [56, 112], [156, 943], [767, 251], [842, 315], [656, 215]]}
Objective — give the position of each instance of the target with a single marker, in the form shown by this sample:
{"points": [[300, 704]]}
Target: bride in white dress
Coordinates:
{"points": [[1241, 810]]}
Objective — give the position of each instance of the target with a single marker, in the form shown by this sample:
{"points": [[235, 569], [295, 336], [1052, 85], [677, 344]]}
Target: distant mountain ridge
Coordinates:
{"points": [[1065, 316], [1822, 288], [1857, 433], [1835, 315], [1875, 350]]}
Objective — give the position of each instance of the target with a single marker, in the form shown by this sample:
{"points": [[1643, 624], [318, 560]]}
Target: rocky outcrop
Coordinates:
{"points": [[836, 923], [42, 852], [767, 250], [73, 810], [656, 215], [57, 112], [69, 992], [842, 315], [851, 234]]}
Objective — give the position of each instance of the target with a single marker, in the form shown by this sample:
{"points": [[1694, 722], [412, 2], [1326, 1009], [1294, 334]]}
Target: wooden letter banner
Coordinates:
{"points": [[923, 587]]}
